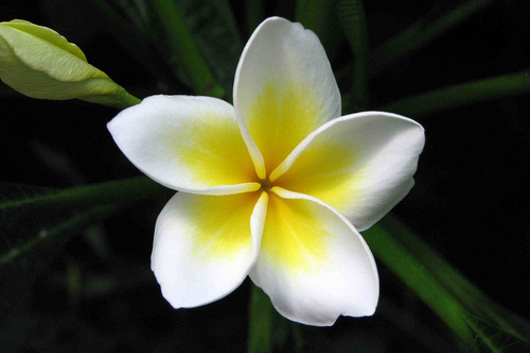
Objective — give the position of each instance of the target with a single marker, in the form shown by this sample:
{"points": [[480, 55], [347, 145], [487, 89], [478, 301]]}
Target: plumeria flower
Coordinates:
{"points": [[276, 187]]}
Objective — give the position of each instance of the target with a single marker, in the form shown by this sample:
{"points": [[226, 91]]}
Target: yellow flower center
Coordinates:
{"points": [[266, 184]]}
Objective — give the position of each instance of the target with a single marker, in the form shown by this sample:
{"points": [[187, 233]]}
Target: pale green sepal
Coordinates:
{"points": [[40, 63], [48, 35]]}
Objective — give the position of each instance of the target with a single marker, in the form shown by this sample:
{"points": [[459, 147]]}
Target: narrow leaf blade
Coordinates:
{"points": [[480, 323], [353, 21]]}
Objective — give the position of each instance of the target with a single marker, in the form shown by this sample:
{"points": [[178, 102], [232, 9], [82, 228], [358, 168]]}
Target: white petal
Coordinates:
{"points": [[191, 144], [205, 246], [284, 89], [313, 264], [361, 164]]}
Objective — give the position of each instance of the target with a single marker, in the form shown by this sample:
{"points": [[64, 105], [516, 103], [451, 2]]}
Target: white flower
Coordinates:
{"points": [[276, 187]]}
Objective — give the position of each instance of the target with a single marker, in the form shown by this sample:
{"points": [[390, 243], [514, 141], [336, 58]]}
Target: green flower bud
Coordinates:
{"points": [[40, 63]]}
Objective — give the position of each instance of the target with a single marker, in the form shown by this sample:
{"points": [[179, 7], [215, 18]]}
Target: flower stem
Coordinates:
{"points": [[128, 100], [260, 322], [461, 94]]}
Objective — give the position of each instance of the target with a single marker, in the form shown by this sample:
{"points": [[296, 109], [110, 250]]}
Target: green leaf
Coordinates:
{"points": [[260, 332], [213, 26], [30, 240], [201, 45], [16, 198], [353, 21], [472, 298], [464, 308], [320, 16], [268, 330], [16, 247], [492, 338], [134, 30], [461, 94], [255, 14], [37, 222], [181, 43], [421, 33]]}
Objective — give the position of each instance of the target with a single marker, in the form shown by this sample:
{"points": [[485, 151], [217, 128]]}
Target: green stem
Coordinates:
{"points": [[127, 100], [182, 44], [260, 332], [461, 94], [420, 34]]}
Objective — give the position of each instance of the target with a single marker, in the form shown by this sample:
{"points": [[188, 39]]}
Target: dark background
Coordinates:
{"points": [[469, 202]]}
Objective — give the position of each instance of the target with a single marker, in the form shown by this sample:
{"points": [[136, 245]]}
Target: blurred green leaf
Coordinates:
{"points": [[472, 297], [481, 324], [36, 223], [255, 14], [492, 338], [320, 16], [30, 239], [269, 331], [45, 332], [202, 42], [214, 28], [181, 43], [461, 94], [123, 275], [353, 21], [407, 320], [138, 12], [422, 32], [136, 33], [260, 331], [136, 26], [288, 335], [15, 198]]}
